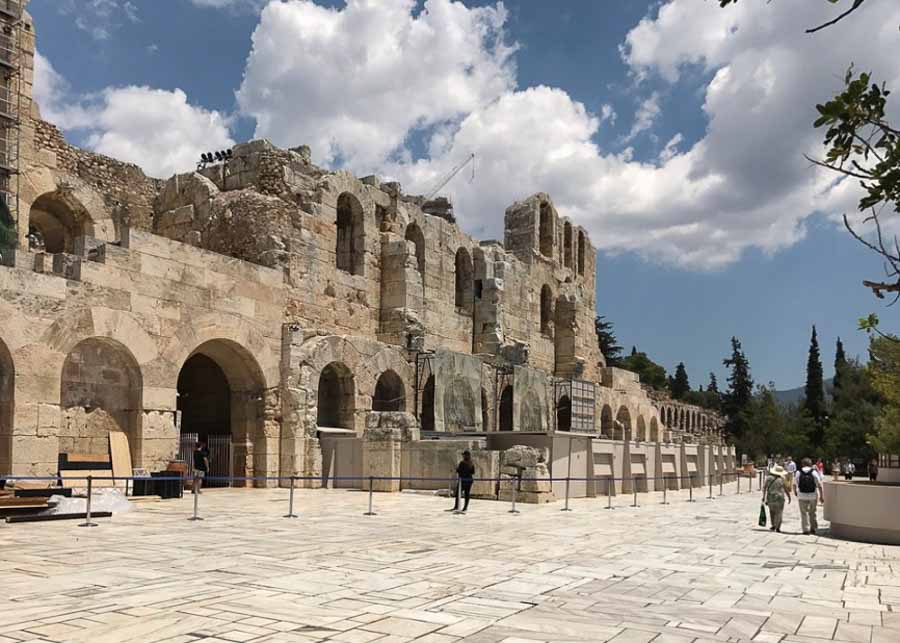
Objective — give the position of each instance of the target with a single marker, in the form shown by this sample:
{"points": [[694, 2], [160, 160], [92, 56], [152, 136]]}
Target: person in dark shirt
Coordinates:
{"points": [[201, 465], [465, 471]]}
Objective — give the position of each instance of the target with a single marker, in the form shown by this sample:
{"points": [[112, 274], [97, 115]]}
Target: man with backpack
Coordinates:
{"points": [[808, 486]]}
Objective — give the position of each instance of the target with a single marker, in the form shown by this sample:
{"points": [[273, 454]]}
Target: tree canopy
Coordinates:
{"points": [[649, 371], [606, 338]]}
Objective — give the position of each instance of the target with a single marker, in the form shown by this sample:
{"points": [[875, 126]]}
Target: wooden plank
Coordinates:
{"points": [[23, 502], [120, 454], [94, 514], [87, 457], [78, 479]]}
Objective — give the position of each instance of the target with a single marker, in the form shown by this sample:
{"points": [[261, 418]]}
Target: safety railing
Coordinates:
{"points": [[606, 482]]}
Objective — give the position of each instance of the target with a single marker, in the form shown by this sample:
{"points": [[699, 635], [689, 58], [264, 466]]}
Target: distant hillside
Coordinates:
{"points": [[795, 395]]}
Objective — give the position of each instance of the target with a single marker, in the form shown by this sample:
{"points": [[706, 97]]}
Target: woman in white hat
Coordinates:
{"points": [[776, 488]]}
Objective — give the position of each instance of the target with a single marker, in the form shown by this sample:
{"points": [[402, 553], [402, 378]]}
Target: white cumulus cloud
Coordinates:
{"points": [[154, 128]]}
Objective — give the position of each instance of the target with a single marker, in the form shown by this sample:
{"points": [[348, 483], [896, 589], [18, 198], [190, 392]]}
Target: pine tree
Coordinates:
{"points": [[606, 338], [736, 403], [814, 398], [712, 398], [679, 385], [840, 363], [713, 383]]}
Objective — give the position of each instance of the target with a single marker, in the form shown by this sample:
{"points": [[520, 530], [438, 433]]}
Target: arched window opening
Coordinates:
{"points": [[100, 392], [336, 397], [464, 280], [390, 394], [567, 240], [350, 234], [546, 310], [506, 409], [606, 421], [426, 417], [564, 414], [7, 408], [414, 233], [55, 221], [622, 425], [546, 230], [581, 252]]}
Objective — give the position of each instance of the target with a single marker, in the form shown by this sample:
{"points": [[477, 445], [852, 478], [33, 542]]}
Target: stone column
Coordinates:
{"points": [[383, 446]]}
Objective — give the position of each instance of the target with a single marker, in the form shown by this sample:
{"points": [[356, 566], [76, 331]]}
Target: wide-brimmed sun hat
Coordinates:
{"points": [[778, 470]]}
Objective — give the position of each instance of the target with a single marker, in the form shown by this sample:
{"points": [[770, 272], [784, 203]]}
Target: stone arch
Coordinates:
{"points": [[7, 407], [351, 236], [641, 435], [459, 406], [222, 391], [564, 414], [622, 425], [417, 237], [606, 421], [670, 419], [57, 218], [568, 246], [505, 416], [390, 394], [336, 397], [546, 310], [101, 391], [426, 416], [582, 248], [464, 279], [485, 411], [545, 231], [654, 430]]}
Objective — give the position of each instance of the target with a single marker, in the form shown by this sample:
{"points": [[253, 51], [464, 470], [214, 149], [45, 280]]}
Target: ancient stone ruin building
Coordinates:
{"points": [[305, 321]]}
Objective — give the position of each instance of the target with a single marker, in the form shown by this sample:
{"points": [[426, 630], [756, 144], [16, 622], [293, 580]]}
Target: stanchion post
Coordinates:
{"points": [[710, 485], [87, 513], [665, 490], [566, 508], [738, 483], [195, 517], [721, 476], [371, 511], [610, 481], [515, 489], [290, 513], [456, 509], [691, 488], [634, 488]]}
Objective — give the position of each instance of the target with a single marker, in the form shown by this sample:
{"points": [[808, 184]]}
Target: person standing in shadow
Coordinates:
{"points": [[465, 471]]}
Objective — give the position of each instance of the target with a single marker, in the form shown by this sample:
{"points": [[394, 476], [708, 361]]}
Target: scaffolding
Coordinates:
{"points": [[11, 80]]}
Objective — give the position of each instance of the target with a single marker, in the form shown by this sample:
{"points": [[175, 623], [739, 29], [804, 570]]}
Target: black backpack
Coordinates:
{"points": [[807, 481]]}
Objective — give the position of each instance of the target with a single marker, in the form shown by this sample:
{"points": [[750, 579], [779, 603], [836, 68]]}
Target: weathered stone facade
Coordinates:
{"points": [[298, 310]]}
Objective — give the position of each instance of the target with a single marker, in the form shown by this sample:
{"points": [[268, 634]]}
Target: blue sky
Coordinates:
{"points": [[683, 265]]}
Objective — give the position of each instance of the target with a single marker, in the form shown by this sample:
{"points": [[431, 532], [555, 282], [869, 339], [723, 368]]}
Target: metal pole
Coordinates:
{"points": [[665, 489], [370, 512], [750, 482], [566, 508], [634, 489], [514, 490], [456, 508], [721, 476], [290, 513], [195, 517], [609, 483], [710, 485], [87, 514], [691, 488], [738, 483]]}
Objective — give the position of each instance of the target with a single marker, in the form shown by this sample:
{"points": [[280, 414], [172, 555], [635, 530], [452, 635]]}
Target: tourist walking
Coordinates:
{"points": [[465, 471], [873, 470], [790, 465], [774, 492], [808, 486], [820, 467], [201, 465]]}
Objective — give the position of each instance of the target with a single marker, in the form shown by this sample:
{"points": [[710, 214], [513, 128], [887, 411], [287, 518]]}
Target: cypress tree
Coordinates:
{"points": [[737, 400], [606, 338], [679, 384], [814, 398], [840, 363], [713, 383]]}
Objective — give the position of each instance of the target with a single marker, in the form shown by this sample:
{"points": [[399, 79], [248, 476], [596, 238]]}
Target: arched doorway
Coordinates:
{"points": [[426, 418], [505, 420], [100, 392], [564, 414], [622, 425], [390, 394], [336, 406], [350, 243], [55, 220], [7, 408], [606, 421], [414, 233], [581, 251], [221, 397]]}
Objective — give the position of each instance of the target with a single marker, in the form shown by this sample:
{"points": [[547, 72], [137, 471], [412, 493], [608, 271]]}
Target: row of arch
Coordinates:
{"points": [[677, 417], [573, 255]]}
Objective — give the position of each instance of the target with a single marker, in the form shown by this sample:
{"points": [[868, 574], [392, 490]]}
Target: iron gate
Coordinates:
{"points": [[221, 457]]}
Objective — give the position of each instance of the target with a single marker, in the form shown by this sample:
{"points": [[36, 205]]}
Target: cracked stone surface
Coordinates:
{"points": [[664, 573]]}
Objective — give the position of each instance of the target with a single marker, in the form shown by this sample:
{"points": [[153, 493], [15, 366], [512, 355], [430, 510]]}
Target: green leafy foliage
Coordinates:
{"points": [[736, 401], [7, 228], [814, 394], [679, 386], [884, 372], [854, 412], [606, 338], [649, 371]]}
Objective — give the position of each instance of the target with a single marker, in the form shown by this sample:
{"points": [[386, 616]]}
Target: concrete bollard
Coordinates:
{"points": [[87, 513]]}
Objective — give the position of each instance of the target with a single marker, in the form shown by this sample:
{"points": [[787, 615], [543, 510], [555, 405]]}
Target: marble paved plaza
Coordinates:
{"points": [[681, 572]]}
